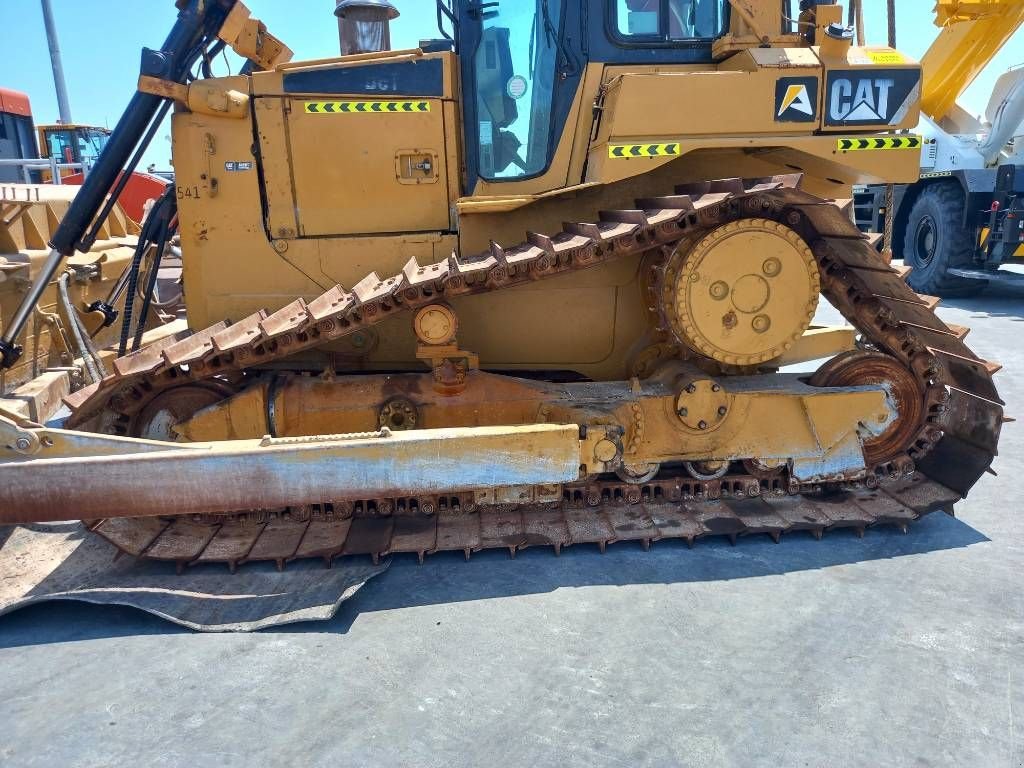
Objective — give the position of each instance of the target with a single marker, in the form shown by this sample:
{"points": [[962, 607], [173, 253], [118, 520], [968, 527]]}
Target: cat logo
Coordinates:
{"points": [[879, 97], [796, 99], [869, 103]]}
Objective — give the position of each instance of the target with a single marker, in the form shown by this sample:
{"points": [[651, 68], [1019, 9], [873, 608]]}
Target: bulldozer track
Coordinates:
{"points": [[646, 518], [954, 444]]}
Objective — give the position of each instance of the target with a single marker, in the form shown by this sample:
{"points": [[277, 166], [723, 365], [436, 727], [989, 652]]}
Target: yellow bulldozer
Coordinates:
{"points": [[537, 282]]}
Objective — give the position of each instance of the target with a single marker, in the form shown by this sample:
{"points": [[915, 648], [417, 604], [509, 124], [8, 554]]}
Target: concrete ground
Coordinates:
{"points": [[891, 650]]}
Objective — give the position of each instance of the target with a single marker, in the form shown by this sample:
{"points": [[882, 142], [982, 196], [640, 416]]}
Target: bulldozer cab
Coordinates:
{"points": [[521, 65]]}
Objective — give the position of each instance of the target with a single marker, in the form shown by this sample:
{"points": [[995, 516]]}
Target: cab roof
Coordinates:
{"points": [[15, 102]]}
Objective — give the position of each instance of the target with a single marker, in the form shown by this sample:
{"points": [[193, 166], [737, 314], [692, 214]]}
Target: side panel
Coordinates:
{"points": [[239, 226], [370, 166], [771, 101], [691, 103], [357, 146], [231, 269]]}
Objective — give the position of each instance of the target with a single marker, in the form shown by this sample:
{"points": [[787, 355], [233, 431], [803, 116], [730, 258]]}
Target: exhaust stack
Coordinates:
{"points": [[364, 26]]}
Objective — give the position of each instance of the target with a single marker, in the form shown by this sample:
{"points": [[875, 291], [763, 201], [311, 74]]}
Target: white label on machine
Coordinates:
{"points": [[516, 87]]}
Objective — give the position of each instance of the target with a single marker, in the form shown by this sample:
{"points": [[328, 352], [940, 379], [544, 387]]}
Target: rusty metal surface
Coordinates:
{"points": [[233, 475], [866, 368], [328, 538]]}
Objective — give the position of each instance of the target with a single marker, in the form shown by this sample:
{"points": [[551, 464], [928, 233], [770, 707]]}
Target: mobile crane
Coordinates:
{"points": [[962, 218]]}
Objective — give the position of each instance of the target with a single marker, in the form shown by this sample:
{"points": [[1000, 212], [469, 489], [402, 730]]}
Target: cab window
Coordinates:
{"points": [[514, 67], [91, 143], [61, 146], [666, 20]]}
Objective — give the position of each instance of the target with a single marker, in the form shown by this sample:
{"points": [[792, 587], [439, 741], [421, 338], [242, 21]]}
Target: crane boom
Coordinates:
{"points": [[972, 33]]}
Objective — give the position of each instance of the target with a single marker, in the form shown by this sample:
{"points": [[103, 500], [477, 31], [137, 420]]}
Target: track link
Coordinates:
{"points": [[327, 534], [953, 446]]}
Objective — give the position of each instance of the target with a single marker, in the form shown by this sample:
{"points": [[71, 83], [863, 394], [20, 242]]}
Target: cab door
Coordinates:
{"points": [[519, 78]]}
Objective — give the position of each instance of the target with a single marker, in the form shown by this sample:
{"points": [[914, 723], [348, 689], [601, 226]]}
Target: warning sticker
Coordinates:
{"points": [[364, 107], [627, 151], [887, 56], [889, 142]]}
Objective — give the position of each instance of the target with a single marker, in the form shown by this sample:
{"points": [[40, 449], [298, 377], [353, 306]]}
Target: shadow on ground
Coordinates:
{"points": [[445, 578], [995, 301]]}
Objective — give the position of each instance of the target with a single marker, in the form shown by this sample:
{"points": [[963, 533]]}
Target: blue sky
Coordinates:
{"points": [[101, 40]]}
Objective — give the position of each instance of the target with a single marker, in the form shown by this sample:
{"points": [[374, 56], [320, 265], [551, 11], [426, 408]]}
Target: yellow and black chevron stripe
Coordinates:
{"points": [[627, 151], [888, 142], [983, 239], [364, 107]]}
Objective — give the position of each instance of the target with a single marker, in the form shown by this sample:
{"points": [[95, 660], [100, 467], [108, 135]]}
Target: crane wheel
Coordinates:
{"points": [[936, 241]]}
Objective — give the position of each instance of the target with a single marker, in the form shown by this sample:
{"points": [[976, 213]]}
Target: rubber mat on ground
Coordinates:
{"points": [[63, 561]]}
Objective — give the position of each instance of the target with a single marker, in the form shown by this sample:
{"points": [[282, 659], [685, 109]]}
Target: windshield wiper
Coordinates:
{"points": [[569, 64], [550, 33]]}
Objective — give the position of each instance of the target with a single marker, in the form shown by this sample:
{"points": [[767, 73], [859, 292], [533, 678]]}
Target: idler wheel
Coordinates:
{"points": [[157, 420], [860, 368], [763, 470]]}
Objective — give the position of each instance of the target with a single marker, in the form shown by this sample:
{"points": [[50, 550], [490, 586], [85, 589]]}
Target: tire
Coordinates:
{"points": [[935, 242]]}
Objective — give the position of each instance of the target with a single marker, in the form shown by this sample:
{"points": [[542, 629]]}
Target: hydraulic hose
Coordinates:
{"points": [[145, 236], [210, 55], [129, 298], [83, 348], [155, 233], [154, 270]]}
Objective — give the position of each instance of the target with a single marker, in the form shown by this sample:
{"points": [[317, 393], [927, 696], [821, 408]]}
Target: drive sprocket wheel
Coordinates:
{"points": [[744, 294], [863, 368]]}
